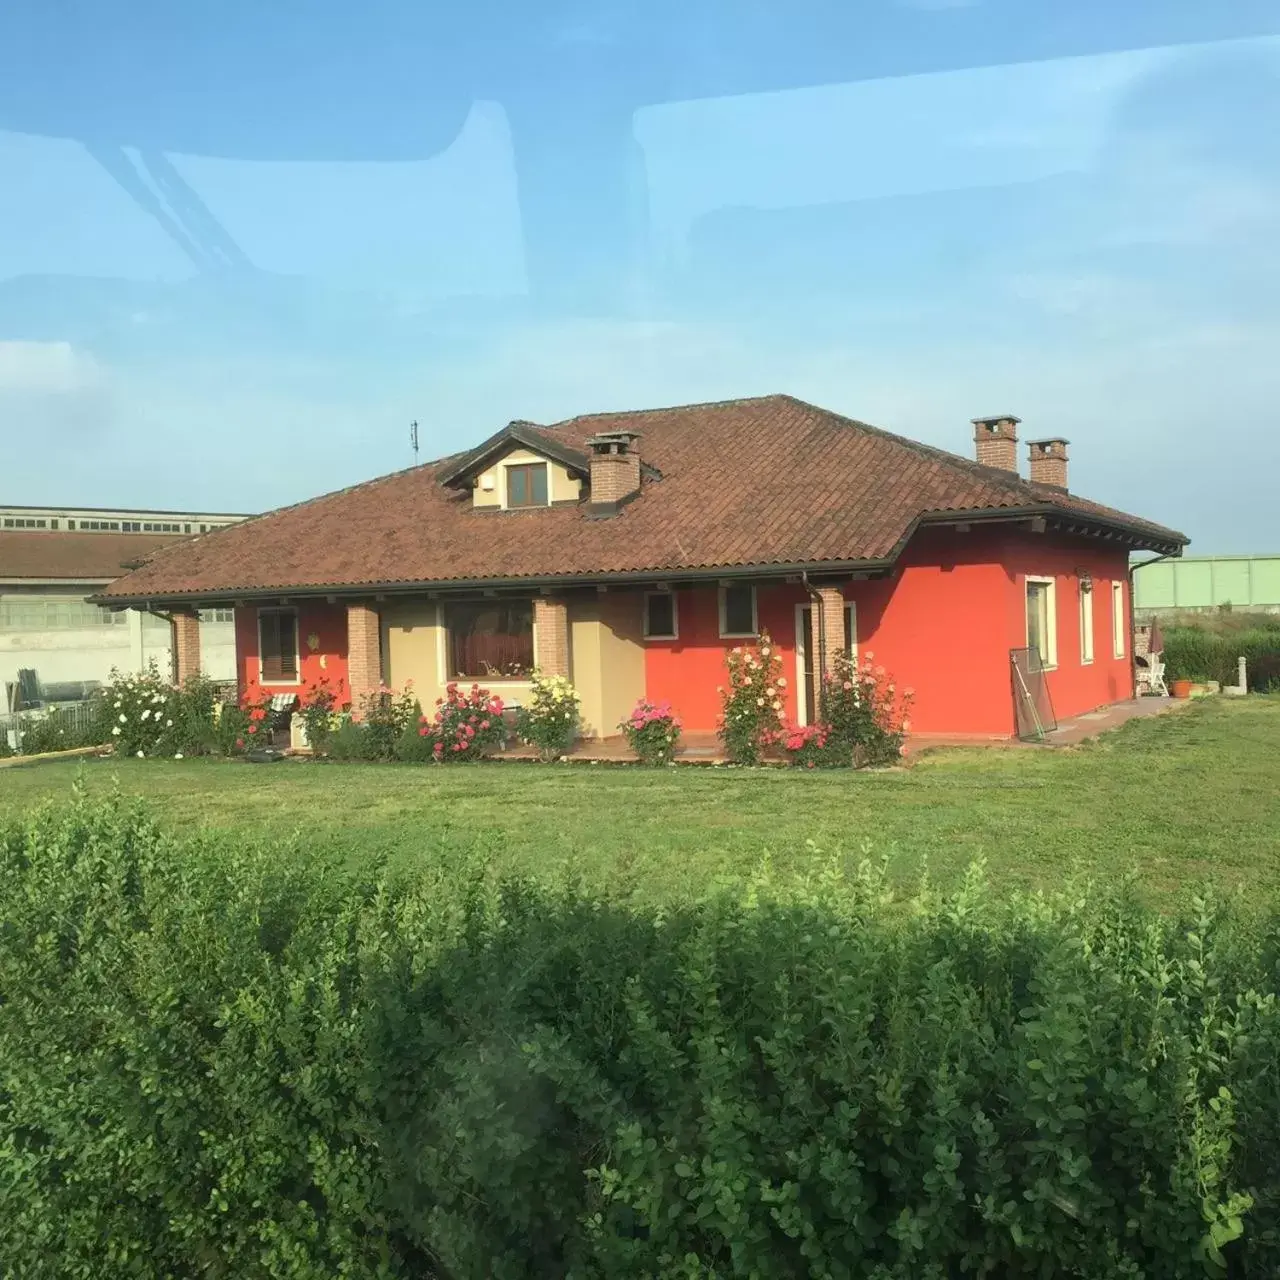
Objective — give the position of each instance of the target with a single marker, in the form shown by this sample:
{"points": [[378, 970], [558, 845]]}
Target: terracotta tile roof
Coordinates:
{"points": [[770, 482], [75, 557]]}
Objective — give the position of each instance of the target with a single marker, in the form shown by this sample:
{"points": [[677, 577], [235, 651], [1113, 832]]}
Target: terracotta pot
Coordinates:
{"points": [[1180, 688]]}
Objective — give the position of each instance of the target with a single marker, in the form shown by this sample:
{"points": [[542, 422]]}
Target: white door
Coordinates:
{"points": [[808, 679]]}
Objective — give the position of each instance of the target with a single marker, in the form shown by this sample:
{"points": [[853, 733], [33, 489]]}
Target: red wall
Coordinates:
{"points": [[328, 623], [942, 625], [687, 671], [1074, 686]]}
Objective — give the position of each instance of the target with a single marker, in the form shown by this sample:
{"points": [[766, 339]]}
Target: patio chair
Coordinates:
{"points": [[1155, 676]]}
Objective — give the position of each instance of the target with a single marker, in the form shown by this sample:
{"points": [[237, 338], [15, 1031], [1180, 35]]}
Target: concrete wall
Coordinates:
{"points": [[90, 653], [1206, 582]]}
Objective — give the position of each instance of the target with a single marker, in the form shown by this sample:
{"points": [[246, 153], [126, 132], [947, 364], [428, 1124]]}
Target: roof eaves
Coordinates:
{"points": [[626, 577], [521, 433]]}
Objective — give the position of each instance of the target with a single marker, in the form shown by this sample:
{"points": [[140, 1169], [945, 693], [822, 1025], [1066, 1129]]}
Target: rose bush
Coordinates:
{"points": [[318, 708], [467, 725], [550, 721], [864, 712], [751, 703], [652, 731], [139, 709], [807, 745]]}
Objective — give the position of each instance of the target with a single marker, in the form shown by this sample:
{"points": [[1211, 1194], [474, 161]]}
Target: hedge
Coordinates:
{"points": [[245, 1064], [1191, 653]]}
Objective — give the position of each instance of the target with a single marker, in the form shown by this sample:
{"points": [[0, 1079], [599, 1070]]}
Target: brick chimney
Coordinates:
{"points": [[1049, 462], [615, 470], [996, 441]]}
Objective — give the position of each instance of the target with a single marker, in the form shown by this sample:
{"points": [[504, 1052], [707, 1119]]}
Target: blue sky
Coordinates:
{"points": [[240, 252]]}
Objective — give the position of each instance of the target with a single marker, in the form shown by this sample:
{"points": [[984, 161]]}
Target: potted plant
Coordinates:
{"points": [[1180, 688]]}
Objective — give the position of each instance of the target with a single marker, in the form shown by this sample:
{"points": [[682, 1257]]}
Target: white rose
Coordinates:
{"points": [[146, 715], [116, 731], [169, 724], [139, 755], [177, 755], [124, 719]]}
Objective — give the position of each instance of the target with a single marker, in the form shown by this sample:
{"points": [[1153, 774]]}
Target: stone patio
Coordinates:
{"points": [[705, 748]]}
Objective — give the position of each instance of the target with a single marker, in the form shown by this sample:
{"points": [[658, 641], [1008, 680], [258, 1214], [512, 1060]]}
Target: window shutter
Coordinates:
{"points": [[279, 649]]}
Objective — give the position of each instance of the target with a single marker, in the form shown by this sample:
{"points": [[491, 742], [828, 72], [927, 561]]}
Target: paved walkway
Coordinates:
{"points": [[705, 748]]}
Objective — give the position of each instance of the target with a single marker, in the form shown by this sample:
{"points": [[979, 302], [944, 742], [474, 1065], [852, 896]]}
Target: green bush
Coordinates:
{"points": [[237, 1063], [416, 745], [1193, 653], [352, 741]]}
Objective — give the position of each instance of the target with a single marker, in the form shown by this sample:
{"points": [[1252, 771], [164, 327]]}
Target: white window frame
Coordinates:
{"points": [[1118, 644], [297, 646], [675, 615], [1086, 624], [1051, 612], [506, 496], [802, 683], [755, 614]]}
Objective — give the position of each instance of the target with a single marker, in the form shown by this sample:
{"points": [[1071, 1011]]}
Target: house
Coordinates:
{"points": [[51, 559], [631, 550]]}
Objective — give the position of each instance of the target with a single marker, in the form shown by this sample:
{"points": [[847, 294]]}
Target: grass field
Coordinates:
{"points": [[1183, 798]]}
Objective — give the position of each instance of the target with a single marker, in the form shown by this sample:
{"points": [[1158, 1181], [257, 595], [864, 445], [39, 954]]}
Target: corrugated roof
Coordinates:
{"points": [[769, 482]]}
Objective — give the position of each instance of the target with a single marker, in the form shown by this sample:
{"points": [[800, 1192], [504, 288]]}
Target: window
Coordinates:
{"points": [[278, 645], [527, 485], [217, 615], [1086, 622], [491, 640], [44, 613], [737, 612], [24, 523], [660, 615], [1117, 619], [1042, 620]]}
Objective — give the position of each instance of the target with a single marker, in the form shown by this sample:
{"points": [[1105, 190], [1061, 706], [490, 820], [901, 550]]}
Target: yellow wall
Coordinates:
{"points": [[414, 641], [563, 486], [607, 658]]}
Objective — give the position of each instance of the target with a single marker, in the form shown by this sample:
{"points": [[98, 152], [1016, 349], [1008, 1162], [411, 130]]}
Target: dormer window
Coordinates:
{"points": [[527, 484]]}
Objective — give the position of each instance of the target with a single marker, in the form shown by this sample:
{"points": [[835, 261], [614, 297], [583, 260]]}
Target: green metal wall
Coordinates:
{"points": [[1203, 582]]}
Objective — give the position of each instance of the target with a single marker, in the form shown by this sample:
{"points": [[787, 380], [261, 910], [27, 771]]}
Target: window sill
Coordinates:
{"points": [[670, 637], [739, 635]]}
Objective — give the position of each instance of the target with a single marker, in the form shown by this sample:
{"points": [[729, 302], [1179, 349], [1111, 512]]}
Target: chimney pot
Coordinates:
{"points": [[996, 441], [615, 470], [1049, 461]]}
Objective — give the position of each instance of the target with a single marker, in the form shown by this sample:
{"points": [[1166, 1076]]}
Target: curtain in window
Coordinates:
{"points": [[490, 641]]}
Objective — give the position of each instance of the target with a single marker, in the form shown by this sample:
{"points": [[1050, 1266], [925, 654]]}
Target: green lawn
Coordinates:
{"points": [[1181, 797]]}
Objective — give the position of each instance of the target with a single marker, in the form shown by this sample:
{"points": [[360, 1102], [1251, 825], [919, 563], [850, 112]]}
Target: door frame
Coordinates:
{"points": [[802, 683]]}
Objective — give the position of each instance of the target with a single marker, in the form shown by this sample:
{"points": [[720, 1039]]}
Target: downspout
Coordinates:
{"points": [[1133, 615], [820, 640]]}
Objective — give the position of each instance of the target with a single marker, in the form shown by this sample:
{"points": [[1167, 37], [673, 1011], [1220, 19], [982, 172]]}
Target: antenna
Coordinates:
{"points": [[413, 440]]}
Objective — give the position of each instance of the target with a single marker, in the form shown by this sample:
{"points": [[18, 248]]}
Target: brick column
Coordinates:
{"points": [[186, 646], [551, 636], [831, 602], [364, 653]]}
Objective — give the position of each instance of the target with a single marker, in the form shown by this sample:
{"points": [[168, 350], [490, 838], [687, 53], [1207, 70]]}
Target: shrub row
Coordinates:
{"points": [[239, 1064], [1191, 653]]}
